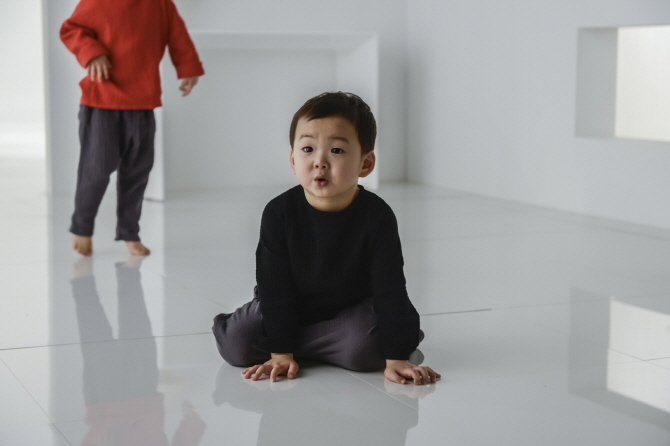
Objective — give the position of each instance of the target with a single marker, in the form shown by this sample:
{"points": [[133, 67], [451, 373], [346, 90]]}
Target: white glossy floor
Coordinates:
{"points": [[548, 328]]}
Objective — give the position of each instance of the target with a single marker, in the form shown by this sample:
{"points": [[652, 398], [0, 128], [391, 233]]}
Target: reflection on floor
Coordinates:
{"points": [[548, 328]]}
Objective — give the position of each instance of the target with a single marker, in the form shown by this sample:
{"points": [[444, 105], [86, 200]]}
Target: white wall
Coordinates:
{"points": [[491, 107], [21, 78], [385, 17]]}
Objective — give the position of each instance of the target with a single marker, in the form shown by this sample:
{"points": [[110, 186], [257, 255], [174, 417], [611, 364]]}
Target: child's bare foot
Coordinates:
{"points": [[83, 245], [138, 249]]}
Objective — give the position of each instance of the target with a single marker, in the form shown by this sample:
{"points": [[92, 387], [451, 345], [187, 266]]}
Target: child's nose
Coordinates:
{"points": [[320, 162]]}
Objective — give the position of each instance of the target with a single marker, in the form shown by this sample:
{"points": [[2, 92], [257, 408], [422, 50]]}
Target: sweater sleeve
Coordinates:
{"points": [[78, 36], [398, 319], [275, 286], [182, 50]]}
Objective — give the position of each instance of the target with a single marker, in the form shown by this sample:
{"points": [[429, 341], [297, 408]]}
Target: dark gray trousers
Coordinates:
{"points": [[350, 340], [113, 140]]}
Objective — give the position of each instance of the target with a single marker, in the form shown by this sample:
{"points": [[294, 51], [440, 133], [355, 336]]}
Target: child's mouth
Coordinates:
{"points": [[321, 181]]}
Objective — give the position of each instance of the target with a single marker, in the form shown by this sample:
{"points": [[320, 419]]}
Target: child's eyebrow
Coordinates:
{"points": [[339, 138], [332, 138]]}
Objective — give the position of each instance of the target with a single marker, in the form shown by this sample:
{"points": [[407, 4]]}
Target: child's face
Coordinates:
{"points": [[326, 158]]}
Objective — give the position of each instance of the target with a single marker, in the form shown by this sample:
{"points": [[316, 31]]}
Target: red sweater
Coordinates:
{"points": [[133, 34]]}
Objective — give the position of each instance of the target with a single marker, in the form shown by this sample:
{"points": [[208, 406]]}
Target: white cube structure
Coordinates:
{"points": [[233, 129]]}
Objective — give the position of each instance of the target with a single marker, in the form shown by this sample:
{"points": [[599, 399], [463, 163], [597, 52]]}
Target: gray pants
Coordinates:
{"points": [[350, 340], [113, 140]]}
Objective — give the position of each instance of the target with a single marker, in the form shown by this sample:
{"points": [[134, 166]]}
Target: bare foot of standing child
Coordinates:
{"points": [[83, 245], [138, 249]]}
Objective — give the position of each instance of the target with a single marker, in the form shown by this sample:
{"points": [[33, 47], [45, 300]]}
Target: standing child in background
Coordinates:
{"points": [[121, 44], [329, 265]]}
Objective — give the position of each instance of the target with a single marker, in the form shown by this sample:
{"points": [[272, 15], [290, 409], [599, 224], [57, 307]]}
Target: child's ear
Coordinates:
{"points": [[290, 160], [369, 160]]}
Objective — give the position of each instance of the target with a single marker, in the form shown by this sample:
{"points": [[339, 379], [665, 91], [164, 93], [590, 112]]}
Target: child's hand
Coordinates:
{"points": [[98, 68], [187, 85], [397, 371], [279, 364]]}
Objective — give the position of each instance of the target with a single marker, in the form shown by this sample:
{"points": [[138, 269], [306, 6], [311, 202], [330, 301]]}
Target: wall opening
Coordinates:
{"points": [[622, 83]]}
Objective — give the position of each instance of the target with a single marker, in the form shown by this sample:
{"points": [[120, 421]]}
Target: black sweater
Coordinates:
{"points": [[311, 264]]}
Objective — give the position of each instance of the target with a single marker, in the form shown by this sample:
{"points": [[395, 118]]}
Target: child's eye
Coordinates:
{"points": [[307, 149], [336, 150]]}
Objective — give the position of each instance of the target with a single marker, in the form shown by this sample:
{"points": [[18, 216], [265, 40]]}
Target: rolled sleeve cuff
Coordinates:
{"points": [[190, 69], [277, 345], [89, 53], [400, 336]]}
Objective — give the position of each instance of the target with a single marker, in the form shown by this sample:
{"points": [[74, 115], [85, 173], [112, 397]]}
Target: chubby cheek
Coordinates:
{"points": [[300, 167], [304, 173], [349, 172], [306, 169]]}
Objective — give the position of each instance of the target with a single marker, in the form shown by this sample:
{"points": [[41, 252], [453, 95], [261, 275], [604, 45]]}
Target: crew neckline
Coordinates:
{"points": [[351, 205]]}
